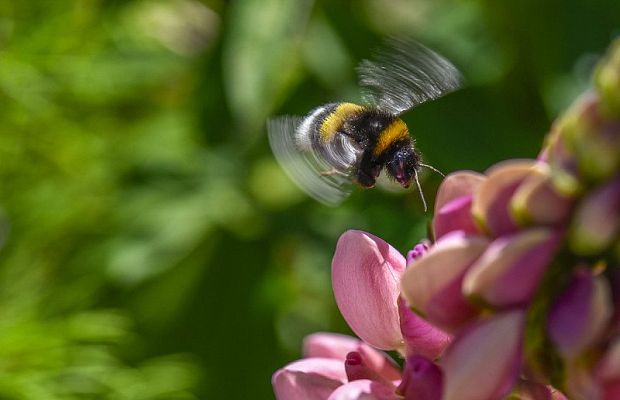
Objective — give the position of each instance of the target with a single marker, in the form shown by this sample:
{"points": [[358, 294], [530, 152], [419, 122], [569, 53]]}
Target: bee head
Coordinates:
{"points": [[403, 165]]}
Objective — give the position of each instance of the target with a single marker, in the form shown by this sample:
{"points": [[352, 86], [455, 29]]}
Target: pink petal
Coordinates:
{"points": [[422, 380], [543, 155], [455, 215], [357, 369], [420, 336], [511, 268], [310, 378], [363, 390], [365, 277], [596, 223], [608, 369], [491, 201], [449, 309], [336, 346], [432, 285], [483, 362], [611, 391], [457, 184], [579, 381], [538, 202], [537, 391], [578, 318]]}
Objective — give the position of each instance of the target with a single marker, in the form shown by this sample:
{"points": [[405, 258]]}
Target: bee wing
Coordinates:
{"points": [[308, 168], [405, 74]]}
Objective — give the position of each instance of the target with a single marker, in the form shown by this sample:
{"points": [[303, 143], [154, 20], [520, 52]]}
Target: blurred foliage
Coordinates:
{"points": [[153, 249]]}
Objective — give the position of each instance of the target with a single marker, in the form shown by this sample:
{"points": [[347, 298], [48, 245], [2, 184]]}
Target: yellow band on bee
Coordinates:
{"points": [[397, 130], [334, 121]]}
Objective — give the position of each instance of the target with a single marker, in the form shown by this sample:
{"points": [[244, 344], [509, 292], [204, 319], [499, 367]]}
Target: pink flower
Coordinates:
{"points": [[342, 367], [325, 369], [336, 346], [365, 276], [366, 273]]}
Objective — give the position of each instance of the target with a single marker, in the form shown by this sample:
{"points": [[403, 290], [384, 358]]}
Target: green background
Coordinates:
{"points": [[151, 246]]}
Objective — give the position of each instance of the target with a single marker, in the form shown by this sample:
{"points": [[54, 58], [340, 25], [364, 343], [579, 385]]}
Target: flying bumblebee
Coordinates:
{"points": [[339, 144]]}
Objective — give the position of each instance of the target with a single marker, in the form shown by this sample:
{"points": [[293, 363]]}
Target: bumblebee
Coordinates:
{"points": [[338, 145]]}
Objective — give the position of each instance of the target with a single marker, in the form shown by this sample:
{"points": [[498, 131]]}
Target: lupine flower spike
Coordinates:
{"points": [[516, 294]]}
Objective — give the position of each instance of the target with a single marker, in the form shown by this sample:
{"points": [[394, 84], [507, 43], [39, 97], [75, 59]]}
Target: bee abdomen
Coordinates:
{"points": [[308, 131], [332, 124], [318, 134]]}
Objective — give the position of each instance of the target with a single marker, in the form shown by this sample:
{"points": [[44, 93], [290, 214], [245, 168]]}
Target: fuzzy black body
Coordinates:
{"points": [[369, 130]]}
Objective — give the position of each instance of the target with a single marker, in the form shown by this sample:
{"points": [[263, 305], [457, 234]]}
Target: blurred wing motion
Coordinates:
{"points": [[405, 74], [325, 174]]}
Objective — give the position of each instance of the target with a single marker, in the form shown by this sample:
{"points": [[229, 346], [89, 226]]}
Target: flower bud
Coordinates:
{"points": [[455, 216], [607, 80], [538, 202], [336, 346], [596, 223], [579, 316], [453, 204], [356, 369], [509, 271], [457, 184], [483, 361], [432, 284], [563, 163], [491, 201], [593, 138], [418, 251]]}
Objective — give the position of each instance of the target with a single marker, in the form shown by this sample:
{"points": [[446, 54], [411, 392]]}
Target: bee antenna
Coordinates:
{"points": [[417, 182], [431, 168]]}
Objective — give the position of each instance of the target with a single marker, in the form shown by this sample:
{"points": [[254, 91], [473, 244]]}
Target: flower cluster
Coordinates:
{"points": [[366, 276], [517, 294]]}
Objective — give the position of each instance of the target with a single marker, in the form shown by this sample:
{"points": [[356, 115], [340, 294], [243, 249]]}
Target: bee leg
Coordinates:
{"points": [[332, 172], [365, 179], [368, 170]]}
